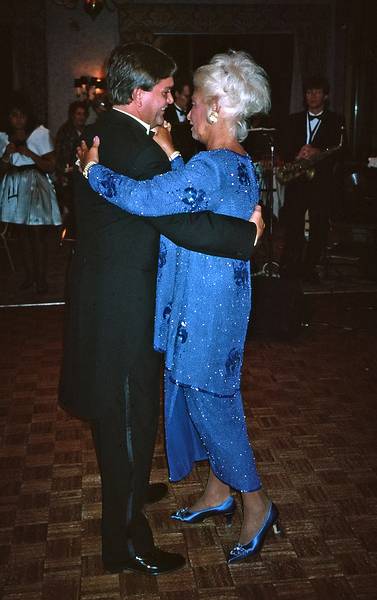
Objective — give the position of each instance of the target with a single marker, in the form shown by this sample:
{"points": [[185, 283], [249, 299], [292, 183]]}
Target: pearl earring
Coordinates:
{"points": [[213, 117]]}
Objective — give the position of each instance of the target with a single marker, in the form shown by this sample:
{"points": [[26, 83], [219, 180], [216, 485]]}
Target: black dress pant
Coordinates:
{"points": [[300, 197], [124, 440]]}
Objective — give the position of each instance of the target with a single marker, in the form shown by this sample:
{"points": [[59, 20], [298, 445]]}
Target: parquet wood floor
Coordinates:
{"points": [[311, 408]]}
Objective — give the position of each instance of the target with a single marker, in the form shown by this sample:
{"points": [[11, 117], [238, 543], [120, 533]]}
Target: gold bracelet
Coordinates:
{"points": [[88, 167]]}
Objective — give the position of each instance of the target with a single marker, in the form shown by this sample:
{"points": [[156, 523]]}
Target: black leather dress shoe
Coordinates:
{"points": [[156, 492], [153, 563]]}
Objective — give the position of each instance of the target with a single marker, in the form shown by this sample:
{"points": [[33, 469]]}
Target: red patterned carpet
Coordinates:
{"points": [[311, 407]]}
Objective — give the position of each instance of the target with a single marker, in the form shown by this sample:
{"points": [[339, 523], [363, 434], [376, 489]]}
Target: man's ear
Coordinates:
{"points": [[137, 97]]}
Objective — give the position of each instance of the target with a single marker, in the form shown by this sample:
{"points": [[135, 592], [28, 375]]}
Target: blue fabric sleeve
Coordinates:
{"points": [[187, 188]]}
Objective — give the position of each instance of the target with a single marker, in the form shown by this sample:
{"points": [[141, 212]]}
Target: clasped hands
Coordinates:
{"points": [[12, 148]]}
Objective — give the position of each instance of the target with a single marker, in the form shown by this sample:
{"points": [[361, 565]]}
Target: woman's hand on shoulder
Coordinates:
{"points": [[162, 137], [87, 155]]}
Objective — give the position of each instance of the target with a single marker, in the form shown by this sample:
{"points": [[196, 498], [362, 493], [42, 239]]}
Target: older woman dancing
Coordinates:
{"points": [[203, 302]]}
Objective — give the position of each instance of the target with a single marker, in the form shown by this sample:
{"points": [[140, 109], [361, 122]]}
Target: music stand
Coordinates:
{"points": [[271, 267]]}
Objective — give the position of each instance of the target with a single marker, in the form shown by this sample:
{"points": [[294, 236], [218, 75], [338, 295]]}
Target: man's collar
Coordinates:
{"points": [[146, 126], [315, 115], [179, 109]]}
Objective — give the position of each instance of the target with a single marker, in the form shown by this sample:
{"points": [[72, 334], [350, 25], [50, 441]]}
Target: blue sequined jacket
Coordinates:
{"points": [[203, 302]]}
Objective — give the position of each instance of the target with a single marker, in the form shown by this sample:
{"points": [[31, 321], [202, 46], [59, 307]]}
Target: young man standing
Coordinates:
{"points": [[306, 136]]}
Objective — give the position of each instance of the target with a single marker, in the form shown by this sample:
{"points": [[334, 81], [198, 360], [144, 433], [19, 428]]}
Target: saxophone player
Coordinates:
{"points": [[305, 136]]}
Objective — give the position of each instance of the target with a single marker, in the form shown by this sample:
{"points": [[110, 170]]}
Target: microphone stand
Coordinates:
{"points": [[269, 205], [270, 268]]}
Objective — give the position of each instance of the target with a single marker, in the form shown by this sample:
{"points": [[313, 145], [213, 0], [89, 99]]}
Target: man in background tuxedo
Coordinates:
{"points": [[176, 115], [306, 135], [110, 372]]}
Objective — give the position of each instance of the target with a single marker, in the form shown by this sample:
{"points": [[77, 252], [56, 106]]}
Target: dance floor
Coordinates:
{"points": [[311, 409]]}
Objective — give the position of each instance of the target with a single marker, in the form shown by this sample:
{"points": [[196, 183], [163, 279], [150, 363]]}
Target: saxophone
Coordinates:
{"points": [[305, 167]]}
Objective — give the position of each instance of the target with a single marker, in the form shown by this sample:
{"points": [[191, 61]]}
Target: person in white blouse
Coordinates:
{"points": [[27, 195]]}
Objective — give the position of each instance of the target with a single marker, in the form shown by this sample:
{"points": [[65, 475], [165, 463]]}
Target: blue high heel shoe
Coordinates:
{"points": [[242, 551], [227, 508]]}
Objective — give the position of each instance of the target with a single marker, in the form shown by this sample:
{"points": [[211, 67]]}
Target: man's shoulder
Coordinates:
{"points": [[65, 129], [117, 125], [295, 123], [297, 116], [125, 146], [333, 116]]}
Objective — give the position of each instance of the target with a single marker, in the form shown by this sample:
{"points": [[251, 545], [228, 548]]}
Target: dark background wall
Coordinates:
{"points": [[45, 46], [24, 52], [293, 38], [191, 51]]}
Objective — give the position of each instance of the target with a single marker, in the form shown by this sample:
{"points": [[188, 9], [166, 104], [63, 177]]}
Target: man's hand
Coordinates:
{"points": [[257, 218], [307, 151]]}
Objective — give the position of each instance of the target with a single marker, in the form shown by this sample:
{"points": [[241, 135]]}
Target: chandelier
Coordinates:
{"points": [[91, 7]]}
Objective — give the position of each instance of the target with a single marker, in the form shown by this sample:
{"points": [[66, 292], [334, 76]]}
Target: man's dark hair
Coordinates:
{"points": [[136, 65], [316, 82], [74, 106]]}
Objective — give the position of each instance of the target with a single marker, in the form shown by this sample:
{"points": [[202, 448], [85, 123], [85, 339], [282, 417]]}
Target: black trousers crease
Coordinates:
{"points": [[124, 440]]}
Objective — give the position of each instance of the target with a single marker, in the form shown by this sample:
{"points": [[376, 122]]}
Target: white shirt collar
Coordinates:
{"points": [[143, 123], [317, 115]]}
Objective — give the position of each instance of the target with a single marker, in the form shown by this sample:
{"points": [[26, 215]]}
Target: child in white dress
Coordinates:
{"points": [[27, 195]]}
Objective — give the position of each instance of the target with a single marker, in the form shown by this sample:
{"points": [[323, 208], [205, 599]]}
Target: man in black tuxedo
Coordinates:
{"points": [[306, 135], [110, 372], [176, 115]]}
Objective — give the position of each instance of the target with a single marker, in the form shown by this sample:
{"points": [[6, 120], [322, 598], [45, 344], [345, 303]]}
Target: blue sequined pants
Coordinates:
{"points": [[201, 426]]}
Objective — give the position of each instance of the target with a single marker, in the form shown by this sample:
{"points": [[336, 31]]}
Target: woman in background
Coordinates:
{"points": [[27, 196]]}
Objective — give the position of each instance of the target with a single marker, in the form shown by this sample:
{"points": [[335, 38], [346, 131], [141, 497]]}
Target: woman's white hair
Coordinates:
{"points": [[238, 85]]}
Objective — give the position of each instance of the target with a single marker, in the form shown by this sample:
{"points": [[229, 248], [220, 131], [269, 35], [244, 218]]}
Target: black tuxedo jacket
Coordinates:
{"points": [[171, 114], [294, 134], [110, 309], [181, 134], [321, 190]]}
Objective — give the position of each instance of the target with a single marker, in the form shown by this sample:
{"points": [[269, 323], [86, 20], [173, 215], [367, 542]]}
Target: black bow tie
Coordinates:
{"points": [[151, 133], [312, 117], [180, 111]]}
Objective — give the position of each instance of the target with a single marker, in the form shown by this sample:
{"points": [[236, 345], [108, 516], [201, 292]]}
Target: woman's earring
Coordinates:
{"points": [[213, 117]]}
